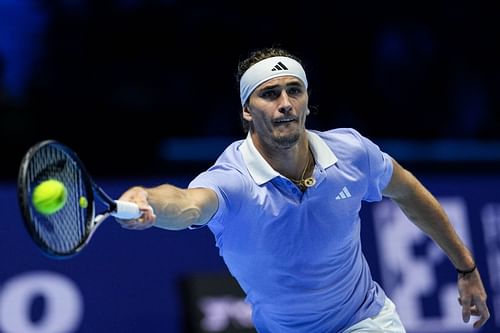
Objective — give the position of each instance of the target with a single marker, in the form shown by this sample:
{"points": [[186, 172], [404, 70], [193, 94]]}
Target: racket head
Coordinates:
{"points": [[64, 233]]}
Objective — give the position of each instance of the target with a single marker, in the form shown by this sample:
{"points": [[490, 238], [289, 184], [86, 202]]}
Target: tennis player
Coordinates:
{"points": [[283, 205]]}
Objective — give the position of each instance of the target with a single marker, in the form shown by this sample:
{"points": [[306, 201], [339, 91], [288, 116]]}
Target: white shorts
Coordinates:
{"points": [[387, 321]]}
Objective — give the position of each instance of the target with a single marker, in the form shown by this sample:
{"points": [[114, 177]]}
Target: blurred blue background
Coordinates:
{"points": [[144, 91]]}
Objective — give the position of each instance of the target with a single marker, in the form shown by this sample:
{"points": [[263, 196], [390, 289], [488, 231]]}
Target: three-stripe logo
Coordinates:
{"points": [[344, 194], [279, 67]]}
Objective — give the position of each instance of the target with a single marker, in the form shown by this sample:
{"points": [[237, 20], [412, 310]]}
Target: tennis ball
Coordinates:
{"points": [[49, 196], [83, 202]]}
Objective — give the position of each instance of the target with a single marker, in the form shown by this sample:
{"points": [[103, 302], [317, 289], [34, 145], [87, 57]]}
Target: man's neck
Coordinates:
{"points": [[288, 161]]}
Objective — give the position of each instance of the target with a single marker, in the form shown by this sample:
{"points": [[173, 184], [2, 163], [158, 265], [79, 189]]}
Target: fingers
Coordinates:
{"points": [[474, 311], [145, 221], [136, 224], [147, 212], [466, 308], [483, 312], [472, 298], [479, 309]]}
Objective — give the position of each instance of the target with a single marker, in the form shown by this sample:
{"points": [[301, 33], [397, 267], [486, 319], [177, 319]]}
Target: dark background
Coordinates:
{"points": [[117, 79], [121, 81]]}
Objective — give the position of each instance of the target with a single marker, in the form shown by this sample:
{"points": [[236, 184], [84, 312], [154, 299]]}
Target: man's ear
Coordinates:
{"points": [[308, 111], [246, 113]]}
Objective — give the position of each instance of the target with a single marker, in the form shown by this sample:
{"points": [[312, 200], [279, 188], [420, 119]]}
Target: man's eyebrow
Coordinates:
{"points": [[295, 83]]}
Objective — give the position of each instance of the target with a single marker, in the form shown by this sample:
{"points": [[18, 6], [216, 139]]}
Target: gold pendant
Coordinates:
{"points": [[309, 182]]}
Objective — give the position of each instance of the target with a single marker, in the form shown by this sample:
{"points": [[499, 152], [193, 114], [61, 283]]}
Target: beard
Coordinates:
{"points": [[287, 141]]}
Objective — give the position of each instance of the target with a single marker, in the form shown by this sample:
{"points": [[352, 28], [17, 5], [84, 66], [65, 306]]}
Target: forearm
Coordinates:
{"points": [[174, 208], [423, 209]]}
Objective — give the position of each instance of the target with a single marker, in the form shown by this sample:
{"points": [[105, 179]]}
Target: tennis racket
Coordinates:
{"points": [[66, 232]]}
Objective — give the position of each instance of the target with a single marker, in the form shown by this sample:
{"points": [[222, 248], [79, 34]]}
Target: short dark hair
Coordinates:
{"points": [[253, 58]]}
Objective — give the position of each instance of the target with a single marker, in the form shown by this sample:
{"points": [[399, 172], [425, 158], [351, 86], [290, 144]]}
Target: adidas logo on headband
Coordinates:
{"points": [[267, 69], [279, 67]]}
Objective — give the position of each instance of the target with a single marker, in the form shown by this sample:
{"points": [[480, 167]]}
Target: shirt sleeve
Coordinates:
{"points": [[228, 186], [206, 180], [380, 169]]}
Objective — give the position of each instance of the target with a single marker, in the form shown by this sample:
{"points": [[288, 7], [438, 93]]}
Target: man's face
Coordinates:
{"points": [[277, 110]]}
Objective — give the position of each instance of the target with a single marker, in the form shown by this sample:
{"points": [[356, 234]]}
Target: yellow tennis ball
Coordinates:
{"points": [[83, 202], [49, 196]]}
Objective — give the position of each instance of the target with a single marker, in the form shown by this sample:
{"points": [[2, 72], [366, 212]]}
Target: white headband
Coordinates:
{"points": [[267, 69]]}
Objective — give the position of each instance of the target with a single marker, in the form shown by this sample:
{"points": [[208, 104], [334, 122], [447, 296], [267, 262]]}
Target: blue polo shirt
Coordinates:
{"points": [[298, 256]]}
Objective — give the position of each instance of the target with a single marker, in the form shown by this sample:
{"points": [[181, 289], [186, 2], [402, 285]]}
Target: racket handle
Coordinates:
{"points": [[126, 210]]}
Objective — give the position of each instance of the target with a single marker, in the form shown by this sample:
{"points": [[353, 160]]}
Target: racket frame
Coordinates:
{"points": [[92, 191]]}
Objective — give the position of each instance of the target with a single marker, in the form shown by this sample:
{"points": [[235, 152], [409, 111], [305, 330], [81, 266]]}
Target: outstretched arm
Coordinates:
{"points": [[423, 209], [170, 207]]}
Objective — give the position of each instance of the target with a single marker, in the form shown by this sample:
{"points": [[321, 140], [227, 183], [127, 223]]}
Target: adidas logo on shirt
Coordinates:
{"points": [[344, 194], [279, 67]]}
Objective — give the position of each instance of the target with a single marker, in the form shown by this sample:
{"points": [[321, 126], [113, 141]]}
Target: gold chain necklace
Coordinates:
{"points": [[304, 183]]}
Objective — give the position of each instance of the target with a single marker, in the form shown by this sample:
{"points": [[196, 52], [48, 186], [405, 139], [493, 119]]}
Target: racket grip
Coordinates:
{"points": [[126, 210]]}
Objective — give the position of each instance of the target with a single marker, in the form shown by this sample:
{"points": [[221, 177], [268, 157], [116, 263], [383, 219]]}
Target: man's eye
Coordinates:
{"points": [[294, 91], [269, 94]]}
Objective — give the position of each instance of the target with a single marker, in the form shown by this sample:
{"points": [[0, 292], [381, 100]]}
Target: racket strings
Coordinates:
{"points": [[65, 230]]}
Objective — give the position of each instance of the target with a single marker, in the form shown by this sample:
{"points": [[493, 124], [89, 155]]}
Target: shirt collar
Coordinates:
{"points": [[262, 172]]}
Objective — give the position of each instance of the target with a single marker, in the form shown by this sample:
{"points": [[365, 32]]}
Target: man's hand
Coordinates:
{"points": [[139, 196], [472, 298]]}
